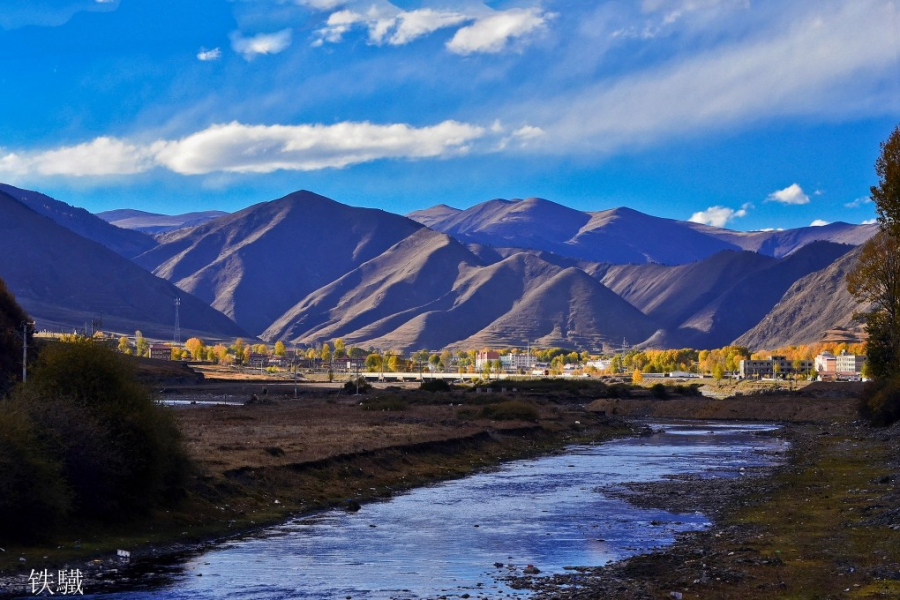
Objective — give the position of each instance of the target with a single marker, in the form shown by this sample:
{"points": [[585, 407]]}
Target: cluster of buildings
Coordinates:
{"points": [[826, 365]]}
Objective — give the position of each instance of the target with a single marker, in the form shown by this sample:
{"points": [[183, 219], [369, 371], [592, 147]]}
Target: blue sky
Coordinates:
{"points": [[748, 114]]}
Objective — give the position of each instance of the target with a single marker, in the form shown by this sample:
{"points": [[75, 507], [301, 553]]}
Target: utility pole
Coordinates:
{"points": [[25, 326], [294, 365], [177, 337]]}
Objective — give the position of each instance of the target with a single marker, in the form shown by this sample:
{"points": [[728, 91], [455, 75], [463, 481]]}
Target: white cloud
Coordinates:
{"points": [[869, 222], [793, 194], [262, 149], [718, 216], [819, 223], [208, 55], [521, 136], [486, 31], [101, 157], [387, 25], [861, 201], [492, 33], [416, 23], [810, 61], [263, 43], [321, 4], [238, 148]]}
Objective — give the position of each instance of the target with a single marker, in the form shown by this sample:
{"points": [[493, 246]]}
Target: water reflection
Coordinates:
{"points": [[449, 538]]}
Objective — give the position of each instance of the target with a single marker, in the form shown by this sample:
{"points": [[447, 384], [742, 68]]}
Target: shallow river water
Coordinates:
{"points": [[448, 539]]}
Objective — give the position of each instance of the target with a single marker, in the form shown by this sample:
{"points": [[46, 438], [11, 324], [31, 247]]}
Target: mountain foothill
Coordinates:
{"points": [[306, 269]]}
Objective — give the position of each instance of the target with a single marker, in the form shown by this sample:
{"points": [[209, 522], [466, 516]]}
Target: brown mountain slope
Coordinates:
{"points": [[64, 280], [431, 292], [570, 309], [813, 304], [709, 303], [254, 265]]}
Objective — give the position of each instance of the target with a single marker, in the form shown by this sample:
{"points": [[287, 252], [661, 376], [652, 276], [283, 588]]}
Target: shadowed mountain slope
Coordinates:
{"points": [[813, 305], [151, 223], [617, 236], [782, 243], [121, 241], [254, 265], [709, 303], [64, 280]]}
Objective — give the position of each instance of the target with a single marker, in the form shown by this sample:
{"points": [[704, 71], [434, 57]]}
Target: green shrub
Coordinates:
{"points": [[658, 390], [880, 402], [353, 385], [435, 385], [511, 410], [119, 452], [618, 390], [33, 494]]}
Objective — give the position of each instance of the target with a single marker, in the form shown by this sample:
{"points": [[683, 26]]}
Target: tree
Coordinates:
{"points": [[196, 347], [718, 372], [325, 353], [340, 349], [373, 363], [238, 347], [124, 345], [876, 282], [116, 451], [886, 194], [141, 345], [280, 349], [637, 376], [11, 318]]}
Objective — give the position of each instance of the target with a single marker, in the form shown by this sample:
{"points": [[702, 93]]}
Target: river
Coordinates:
{"points": [[461, 537]]}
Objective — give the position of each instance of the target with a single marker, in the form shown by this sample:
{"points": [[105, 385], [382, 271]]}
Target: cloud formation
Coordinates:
{"points": [[799, 60], [239, 148], [793, 194], [718, 216], [494, 33], [263, 43], [209, 55], [819, 223], [100, 157], [484, 32], [862, 201]]}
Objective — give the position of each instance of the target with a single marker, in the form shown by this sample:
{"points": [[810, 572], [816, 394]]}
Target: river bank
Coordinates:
{"points": [[259, 464], [824, 525]]}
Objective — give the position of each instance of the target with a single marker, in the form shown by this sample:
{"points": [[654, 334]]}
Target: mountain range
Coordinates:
{"points": [[64, 280], [138, 220], [308, 269]]}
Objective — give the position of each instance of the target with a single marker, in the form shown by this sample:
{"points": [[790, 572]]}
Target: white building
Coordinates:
{"points": [[826, 364], [514, 362], [849, 365]]}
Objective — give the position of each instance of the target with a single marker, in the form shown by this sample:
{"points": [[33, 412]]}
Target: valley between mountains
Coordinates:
{"points": [[505, 273]]}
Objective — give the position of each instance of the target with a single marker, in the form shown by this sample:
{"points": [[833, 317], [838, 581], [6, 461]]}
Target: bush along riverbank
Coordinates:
{"points": [[824, 525]]}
